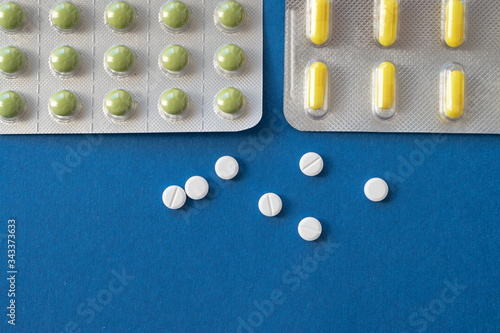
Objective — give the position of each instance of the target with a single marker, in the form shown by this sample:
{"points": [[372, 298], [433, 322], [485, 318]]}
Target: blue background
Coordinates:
{"points": [[89, 208]]}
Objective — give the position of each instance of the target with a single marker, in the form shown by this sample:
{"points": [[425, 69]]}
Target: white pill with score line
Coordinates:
{"points": [[270, 204], [311, 164], [310, 229], [174, 197], [197, 188], [376, 189]]}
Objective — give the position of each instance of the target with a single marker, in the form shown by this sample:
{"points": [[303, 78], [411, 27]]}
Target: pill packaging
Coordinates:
{"points": [[148, 38], [419, 55]]}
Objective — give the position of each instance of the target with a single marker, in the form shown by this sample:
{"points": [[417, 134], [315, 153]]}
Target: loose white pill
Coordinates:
{"points": [[270, 204], [311, 164], [376, 189], [174, 197], [310, 229], [227, 167], [197, 188]]}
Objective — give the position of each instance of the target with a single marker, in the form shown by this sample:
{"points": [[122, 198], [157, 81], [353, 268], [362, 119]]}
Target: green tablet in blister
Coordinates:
{"points": [[229, 103], [64, 61], [64, 105], [230, 15], [12, 61], [11, 106], [174, 60], [174, 104], [11, 17], [120, 61], [230, 59], [65, 16], [120, 16], [119, 104], [175, 16]]}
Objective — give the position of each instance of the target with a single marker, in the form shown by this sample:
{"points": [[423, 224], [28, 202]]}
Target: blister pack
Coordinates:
{"points": [[429, 66], [135, 66]]}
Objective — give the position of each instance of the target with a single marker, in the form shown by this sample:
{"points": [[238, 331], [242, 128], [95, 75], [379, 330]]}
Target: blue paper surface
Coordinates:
{"points": [[96, 250]]}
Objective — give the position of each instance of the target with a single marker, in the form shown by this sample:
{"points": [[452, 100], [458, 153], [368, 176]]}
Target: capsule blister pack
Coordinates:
{"points": [[428, 66], [135, 66]]}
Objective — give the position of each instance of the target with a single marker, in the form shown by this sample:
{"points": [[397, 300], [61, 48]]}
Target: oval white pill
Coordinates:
{"points": [[310, 229], [227, 167], [174, 197], [311, 164], [270, 204], [376, 189], [197, 188]]}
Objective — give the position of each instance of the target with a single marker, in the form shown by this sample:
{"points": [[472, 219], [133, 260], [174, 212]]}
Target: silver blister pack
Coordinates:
{"points": [[352, 54], [147, 39]]}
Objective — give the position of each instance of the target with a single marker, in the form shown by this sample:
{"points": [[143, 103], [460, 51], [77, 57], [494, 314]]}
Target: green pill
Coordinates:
{"points": [[230, 58], [174, 103], [174, 59], [231, 14], [120, 16], [11, 105], [65, 16], [64, 61], [64, 104], [175, 16], [230, 102], [11, 16], [12, 61], [119, 104], [120, 60]]}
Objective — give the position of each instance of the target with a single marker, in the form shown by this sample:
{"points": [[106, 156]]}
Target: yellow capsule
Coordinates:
{"points": [[455, 95], [455, 23], [388, 22], [319, 21], [386, 86], [317, 86]]}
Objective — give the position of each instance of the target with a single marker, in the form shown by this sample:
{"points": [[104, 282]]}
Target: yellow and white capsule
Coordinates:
{"points": [[317, 91], [385, 90], [454, 22], [386, 22], [319, 21], [452, 92]]}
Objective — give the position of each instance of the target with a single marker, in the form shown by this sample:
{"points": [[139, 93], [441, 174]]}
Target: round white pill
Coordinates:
{"points": [[227, 167], [310, 229], [376, 189], [270, 204], [174, 197], [197, 188], [311, 164]]}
